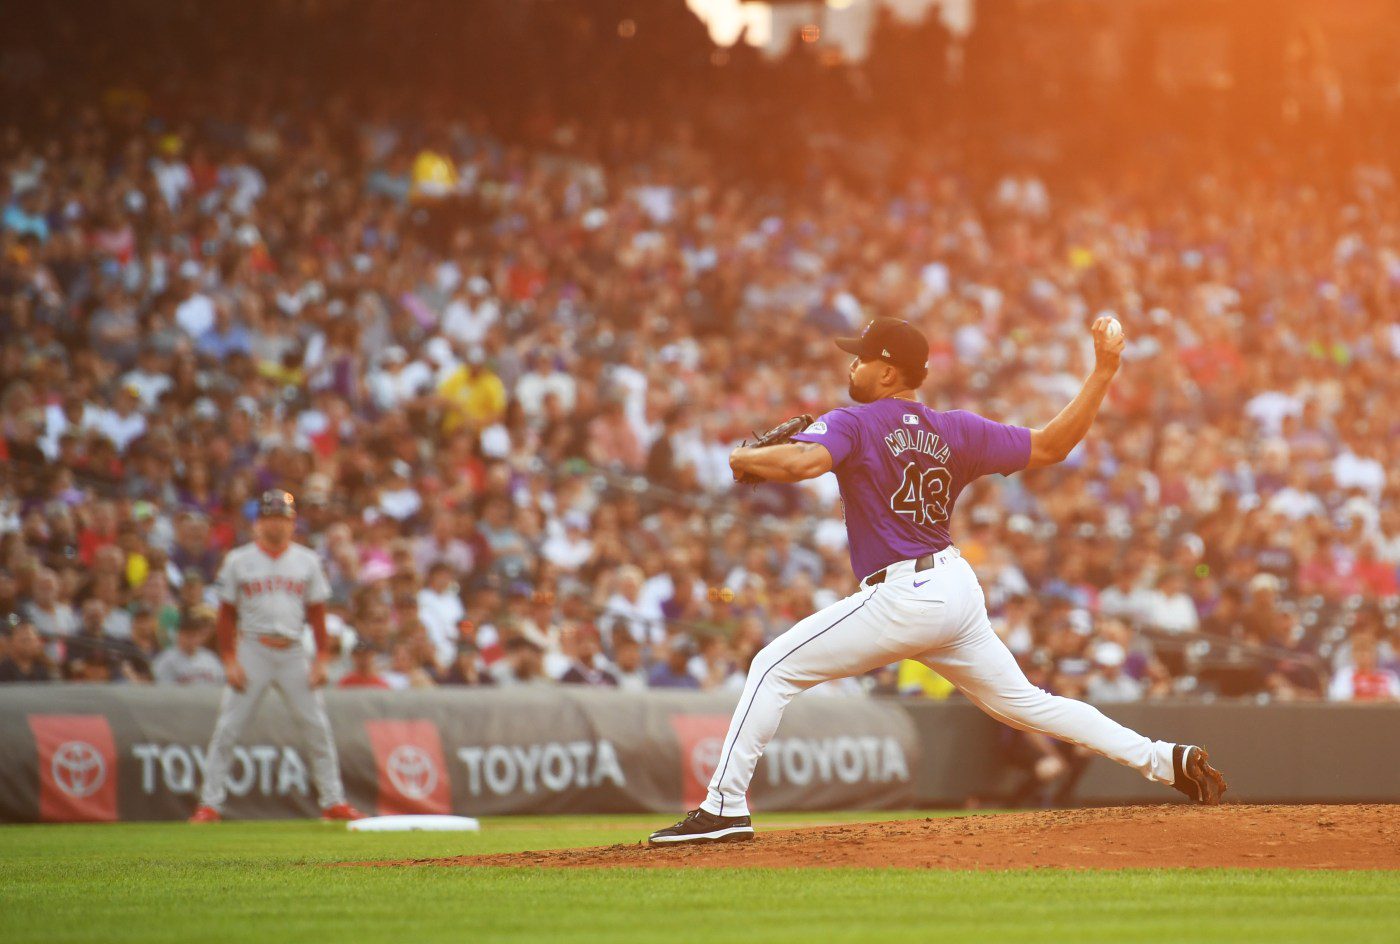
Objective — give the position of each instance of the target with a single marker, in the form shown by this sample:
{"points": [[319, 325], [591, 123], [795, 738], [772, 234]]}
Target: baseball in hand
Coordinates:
{"points": [[1112, 329]]}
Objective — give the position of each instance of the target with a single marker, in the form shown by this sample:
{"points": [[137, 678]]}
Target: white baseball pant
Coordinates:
{"points": [[939, 617], [286, 670]]}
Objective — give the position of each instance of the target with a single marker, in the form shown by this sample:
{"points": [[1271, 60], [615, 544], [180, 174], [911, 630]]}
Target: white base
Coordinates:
{"points": [[399, 824]]}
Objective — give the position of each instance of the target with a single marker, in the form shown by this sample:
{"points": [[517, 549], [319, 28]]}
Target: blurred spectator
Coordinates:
{"points": [[50, 616], [626, 609], [522, 664], [363, 673], [189, 662], [1108, 682], [1364, 679], [628, 668], [711, 665], [24, 659], [441, 611], [674, 670], [466, 667], [404, 671], [587, 666], [1171, 608]]}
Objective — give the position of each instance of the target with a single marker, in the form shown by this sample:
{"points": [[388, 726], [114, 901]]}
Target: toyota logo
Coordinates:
{"points": [[412, 771], [78, 769], [704, 758]]}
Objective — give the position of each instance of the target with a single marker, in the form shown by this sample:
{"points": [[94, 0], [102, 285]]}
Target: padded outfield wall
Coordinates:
{"points": [[88, 753], [1270, 753]]}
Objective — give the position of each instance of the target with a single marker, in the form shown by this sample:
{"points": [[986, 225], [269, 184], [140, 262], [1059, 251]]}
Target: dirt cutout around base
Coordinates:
{"points": [[1170, 836]]}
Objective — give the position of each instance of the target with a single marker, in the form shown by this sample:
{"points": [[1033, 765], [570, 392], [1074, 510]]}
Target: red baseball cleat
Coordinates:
{"points": [[205, 814], [341, 811]]}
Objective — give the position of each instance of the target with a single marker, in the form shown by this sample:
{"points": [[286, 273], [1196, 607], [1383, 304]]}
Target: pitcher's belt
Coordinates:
{"points": [[276, 642], [903, 568]]}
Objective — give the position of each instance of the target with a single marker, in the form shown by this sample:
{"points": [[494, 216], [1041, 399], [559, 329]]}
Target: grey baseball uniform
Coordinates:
{"points": [[271, 595]]}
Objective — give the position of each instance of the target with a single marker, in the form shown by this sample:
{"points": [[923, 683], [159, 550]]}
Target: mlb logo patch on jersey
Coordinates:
{"points": [[816, 429], [911, 419]]}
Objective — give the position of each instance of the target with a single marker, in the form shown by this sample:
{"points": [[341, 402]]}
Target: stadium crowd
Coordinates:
{"points": [[503, 379]]}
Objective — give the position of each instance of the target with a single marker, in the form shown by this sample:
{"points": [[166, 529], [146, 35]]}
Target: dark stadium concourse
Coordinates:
{"points": [[493, 288]]}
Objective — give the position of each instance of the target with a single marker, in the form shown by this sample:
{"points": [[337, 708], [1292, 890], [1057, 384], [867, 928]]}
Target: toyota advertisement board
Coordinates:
{"points": [[101, 754]]}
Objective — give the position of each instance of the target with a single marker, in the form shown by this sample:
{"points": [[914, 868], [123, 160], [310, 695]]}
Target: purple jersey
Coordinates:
{"points": [[901, 466]]}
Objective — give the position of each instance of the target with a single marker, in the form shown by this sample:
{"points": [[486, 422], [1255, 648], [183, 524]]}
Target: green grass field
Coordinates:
{"points": [[266, 882]]}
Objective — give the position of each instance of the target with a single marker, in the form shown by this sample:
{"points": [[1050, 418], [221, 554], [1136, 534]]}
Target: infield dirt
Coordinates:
{"points": [[1168, 836]]}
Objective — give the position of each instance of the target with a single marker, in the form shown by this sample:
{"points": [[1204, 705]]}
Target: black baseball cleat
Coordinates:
{"points": [[704, 826], [1195, 777]]}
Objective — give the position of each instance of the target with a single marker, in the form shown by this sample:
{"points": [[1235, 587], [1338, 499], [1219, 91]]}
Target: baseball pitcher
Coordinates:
{"points": [[901, 466], [267, 591]]}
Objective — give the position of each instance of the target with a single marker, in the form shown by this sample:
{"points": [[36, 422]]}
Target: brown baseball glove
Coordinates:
{"points": [[782, 433]]}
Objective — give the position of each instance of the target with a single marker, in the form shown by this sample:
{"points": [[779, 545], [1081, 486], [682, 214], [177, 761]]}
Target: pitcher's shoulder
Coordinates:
{"points": [[861, 412]]}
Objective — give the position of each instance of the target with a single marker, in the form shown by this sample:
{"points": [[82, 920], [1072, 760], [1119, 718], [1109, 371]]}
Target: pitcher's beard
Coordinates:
{"points": [[855, 394]]}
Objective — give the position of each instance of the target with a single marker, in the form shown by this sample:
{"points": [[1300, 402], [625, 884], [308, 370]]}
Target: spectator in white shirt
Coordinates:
{"points": [[244, 184], [1269, 409], [52, 617], [188, 662], [628, 666], [1014, 627], [123, 424], [1172, 608], [173, 177], [1296, 500], [68, 418], [397, 497], [1023, 194], [541, 379], [1108, 682], [471, 313], [396, 380], [1364, 679], [627, 612], [441, 612], [1357, 467], [1123, 599], [569, 548], [194, 315], [148, 379]]}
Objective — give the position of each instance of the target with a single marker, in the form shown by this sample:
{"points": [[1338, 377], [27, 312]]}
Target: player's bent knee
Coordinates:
{"points": [[764, 663]]}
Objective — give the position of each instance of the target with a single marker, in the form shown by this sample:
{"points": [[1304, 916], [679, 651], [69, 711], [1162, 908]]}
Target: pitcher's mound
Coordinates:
{"points": [[1175, 836]]}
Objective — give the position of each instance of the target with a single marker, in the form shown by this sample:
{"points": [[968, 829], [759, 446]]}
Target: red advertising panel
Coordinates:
{"points": [[702, 740], [412, 775], [77, 768]]}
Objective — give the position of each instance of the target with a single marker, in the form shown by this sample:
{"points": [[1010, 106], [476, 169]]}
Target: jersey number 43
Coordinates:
{"points": [[922, 495]]}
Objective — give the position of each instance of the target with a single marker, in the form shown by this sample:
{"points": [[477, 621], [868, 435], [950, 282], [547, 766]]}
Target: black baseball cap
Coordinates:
{"points": [[891, 340], [276, 503]]}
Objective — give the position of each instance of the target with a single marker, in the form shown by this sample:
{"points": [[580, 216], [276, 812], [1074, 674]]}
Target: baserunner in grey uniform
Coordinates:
{"points": [[267, 591]]}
